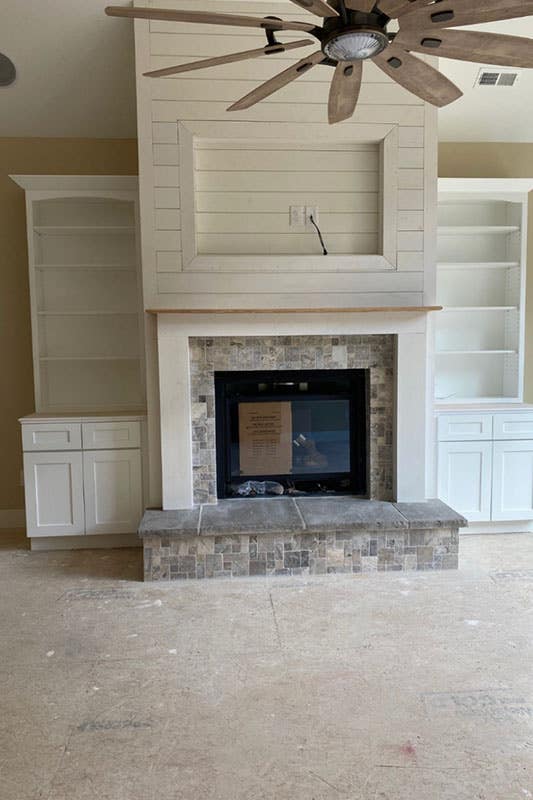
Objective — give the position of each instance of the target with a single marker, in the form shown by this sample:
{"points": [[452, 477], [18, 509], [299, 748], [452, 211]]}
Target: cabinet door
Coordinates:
{"points": [[465, 477], [54, 494], [113, 491], [513, 481]]}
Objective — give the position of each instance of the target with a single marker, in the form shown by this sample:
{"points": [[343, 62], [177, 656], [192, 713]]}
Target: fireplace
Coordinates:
{"points": [[294, 432]]}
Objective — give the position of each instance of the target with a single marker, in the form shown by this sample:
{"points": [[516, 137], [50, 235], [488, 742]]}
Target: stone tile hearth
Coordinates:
{"points": [[307, 536]]}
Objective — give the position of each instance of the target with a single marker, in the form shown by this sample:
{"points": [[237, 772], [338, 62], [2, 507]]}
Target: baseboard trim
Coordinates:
{"points": [[477, 528], [104, 542], [12, 518]]}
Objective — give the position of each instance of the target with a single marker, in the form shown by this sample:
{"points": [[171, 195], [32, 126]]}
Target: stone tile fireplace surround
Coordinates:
{"points": [[392, 347], [373, 353]]}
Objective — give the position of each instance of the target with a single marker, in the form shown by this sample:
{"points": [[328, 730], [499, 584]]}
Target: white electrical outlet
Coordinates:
{"points": [[297, 217], [311, 211]]}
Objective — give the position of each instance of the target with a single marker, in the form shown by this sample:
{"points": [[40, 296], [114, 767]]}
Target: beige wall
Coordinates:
{"points": [[497, 160], [32, 157]]}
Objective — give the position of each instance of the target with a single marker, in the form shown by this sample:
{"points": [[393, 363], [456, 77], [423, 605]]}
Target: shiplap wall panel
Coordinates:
{"points": [[260, 69], [290, 176], [300, 91], [237, 198], [268, 202], [284, 243], [272, 110]]}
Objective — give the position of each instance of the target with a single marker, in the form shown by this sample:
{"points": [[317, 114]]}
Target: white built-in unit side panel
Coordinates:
{"points": [[216, 187]]}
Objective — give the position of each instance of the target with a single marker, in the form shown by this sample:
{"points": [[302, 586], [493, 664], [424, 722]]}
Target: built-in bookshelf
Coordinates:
{"points": [[85, 292], [482, 240]]}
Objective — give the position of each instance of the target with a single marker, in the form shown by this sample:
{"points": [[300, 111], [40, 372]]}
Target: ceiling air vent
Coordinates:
{"points": [[500, 77]]}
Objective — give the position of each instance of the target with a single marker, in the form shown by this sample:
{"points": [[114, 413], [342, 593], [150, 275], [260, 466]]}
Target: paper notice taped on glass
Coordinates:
{"points": [[265, 438]]}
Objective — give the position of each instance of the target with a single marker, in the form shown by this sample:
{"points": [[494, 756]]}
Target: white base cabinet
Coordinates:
{"points": [[113, 491], [465, 478], [80, 486], [54, 494], [485, 465], [512, 496]]}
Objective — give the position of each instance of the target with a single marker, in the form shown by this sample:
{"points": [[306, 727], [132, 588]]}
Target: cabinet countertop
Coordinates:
{"points": [[485, 408], [71, 416]]}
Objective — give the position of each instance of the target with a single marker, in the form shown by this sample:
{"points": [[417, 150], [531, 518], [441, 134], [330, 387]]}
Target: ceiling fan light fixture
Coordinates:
{"points": [[355, 44]]}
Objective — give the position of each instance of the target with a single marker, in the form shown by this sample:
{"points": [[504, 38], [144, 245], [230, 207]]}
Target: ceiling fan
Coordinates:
{"points": [[354, 31]]}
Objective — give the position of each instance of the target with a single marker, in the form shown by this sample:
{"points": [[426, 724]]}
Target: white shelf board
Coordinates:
{"points": [[89, 358], [468, 309], [475, 352], [80, 230], [86, 313], [477, 230], [88, 267], [466, 265], [472, 400], [82, 185]]}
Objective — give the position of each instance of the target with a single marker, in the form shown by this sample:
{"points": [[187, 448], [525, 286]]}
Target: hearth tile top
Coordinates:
{"points": [[166, 523], [431, 514], [290, 516], [259, 515], [342, 513]]}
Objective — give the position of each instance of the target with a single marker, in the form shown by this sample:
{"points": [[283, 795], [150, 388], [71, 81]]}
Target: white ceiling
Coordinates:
{"points": [[75, 70], [76, 77], [489, 114]]}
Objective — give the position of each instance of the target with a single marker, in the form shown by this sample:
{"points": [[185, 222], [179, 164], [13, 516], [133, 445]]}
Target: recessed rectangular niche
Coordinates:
{"points": [[236, 194], [244, 191]]}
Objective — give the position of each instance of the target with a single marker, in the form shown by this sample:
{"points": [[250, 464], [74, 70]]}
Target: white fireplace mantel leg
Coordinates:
{"points": [[175, 402], [176, 432], [411, 409]]}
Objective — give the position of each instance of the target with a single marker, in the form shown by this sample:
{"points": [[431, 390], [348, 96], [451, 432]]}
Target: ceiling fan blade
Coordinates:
{"points": [[344, 92], [396, 8], [417, 77], [229, 59], [477, 46], [360, 5], [454, 13], [317, 7], [168, 15], [278, 81]]}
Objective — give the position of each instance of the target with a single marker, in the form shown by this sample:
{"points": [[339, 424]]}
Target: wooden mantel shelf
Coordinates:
{"points": [[369, 310]]}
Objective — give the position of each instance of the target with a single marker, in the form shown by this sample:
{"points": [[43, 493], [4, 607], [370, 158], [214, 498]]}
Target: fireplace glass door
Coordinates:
{"points": [[296, 433]]}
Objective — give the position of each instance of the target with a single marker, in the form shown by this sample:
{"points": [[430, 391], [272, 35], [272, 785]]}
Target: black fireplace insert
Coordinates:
{"points": [[291, 432]]}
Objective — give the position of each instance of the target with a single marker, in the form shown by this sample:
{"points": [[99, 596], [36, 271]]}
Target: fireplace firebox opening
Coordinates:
{"points": [[292, 432]]}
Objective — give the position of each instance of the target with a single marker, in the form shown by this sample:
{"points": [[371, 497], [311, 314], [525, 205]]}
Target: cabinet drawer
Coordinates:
{"points": [[51, 436], [464, 427], [513, 426], [108, 435]]}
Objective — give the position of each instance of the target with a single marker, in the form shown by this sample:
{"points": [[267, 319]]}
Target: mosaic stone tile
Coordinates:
{"points": [[179, 556], [375, 353]]}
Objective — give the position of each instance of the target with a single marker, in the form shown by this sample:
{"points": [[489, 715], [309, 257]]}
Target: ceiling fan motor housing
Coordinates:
{"points": [[362, 36]]}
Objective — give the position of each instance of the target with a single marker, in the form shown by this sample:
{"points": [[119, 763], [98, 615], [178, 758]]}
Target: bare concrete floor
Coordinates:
{"points": [[391, 687]]}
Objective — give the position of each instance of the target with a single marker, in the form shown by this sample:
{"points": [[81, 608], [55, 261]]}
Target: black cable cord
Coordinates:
{"points": [[343, 12], [312, 220]]}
